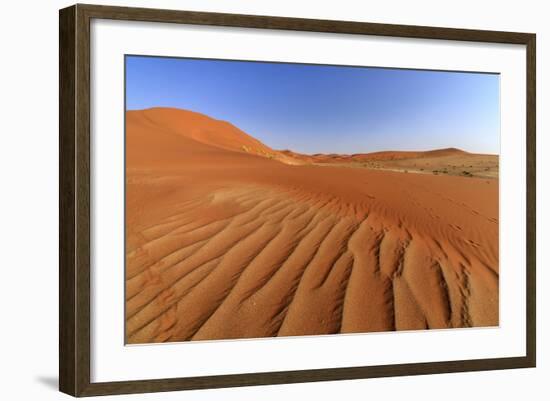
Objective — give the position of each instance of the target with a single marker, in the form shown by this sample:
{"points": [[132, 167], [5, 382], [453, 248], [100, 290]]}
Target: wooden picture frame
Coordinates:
{"points": [[74, 203]]}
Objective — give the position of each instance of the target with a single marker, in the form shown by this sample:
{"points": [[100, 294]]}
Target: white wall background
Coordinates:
{"points": [[29, 184]]}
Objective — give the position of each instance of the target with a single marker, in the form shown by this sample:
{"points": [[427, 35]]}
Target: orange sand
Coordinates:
{"points": [[228, 238]]}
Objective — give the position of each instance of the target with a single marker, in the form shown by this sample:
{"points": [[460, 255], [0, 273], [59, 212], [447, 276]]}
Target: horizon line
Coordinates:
{"points": [[318, 153]]}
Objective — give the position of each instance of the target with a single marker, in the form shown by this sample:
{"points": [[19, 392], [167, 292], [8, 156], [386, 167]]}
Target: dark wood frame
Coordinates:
{"points": [[74, 199]]}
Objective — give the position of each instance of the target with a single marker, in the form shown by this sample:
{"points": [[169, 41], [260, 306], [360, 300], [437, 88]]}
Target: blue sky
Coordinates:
{"points": [[327, 109]]}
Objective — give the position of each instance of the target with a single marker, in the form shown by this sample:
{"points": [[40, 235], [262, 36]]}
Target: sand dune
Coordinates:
{"points": [[450, 161], [226, 242], [376, 156]]}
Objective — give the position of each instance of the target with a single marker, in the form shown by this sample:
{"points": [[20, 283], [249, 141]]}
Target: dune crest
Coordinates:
{"points": [[226, 243], [204, 130]]}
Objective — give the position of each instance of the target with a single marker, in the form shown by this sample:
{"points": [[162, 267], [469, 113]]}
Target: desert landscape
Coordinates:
{"points": [[227, 238]]}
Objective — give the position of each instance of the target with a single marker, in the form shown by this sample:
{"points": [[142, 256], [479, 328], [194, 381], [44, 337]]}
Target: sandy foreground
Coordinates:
{"points": [[228, 238]]}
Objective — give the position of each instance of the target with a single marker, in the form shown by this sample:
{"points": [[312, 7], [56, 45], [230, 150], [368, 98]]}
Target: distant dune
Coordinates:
{"points": [[228, 238], [450, 161], [376, 156]]}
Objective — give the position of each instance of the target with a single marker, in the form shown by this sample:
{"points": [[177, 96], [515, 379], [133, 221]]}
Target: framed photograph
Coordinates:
{"points": [[250, 200]]}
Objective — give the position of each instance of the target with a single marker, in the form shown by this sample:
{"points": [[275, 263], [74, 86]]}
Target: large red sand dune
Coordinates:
{"points": [[228, 238]]}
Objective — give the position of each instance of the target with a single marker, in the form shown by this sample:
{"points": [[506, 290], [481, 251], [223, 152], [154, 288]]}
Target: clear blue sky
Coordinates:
{"points": [[327, 109]]}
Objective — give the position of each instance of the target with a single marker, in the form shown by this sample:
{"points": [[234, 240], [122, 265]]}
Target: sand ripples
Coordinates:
{"points": [[264, 262]]}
